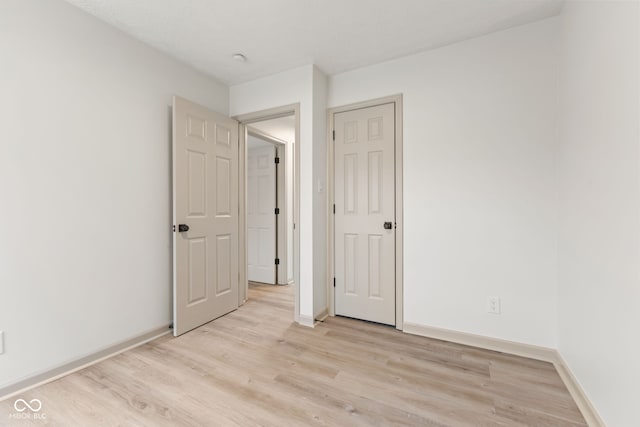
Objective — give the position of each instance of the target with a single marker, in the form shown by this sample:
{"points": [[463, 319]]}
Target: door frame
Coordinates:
{"points": [[397, 101], [281, 202], [244, 120]]}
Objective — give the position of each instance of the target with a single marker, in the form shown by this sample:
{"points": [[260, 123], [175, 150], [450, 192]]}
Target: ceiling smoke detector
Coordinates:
{"points": [[239, 57]]}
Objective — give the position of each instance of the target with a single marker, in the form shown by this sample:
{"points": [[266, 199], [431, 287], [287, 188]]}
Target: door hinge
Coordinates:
{"points": [[334, 135], [277, 160], [334, 282], [277, 211], [277, 261], [334, 208], [174, 228]]}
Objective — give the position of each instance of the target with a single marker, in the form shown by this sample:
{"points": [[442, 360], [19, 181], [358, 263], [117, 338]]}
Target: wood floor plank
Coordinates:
{"points": [[256, 367]]}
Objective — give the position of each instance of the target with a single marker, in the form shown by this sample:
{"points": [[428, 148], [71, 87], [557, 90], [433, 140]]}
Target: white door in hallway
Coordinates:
{"points": [[364, 150], [205, 213], [261, 217]]}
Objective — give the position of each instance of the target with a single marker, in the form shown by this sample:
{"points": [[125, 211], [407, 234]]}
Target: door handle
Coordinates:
{"points": [[388, 226], [183, 227]]}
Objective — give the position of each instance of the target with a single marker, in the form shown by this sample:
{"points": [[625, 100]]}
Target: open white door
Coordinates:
{"points": [[205, 213], [261, 216]]}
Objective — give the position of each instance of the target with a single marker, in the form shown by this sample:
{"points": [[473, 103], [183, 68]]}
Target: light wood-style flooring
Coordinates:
{"points": [[255, 366]]}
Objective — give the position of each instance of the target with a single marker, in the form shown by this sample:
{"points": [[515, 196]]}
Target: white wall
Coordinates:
{"points": [[85, 244], [320, 294], [480, 179], [599, 302], [307, 86]]}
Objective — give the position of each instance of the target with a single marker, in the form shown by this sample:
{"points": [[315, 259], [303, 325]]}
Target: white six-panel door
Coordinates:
{"points": [[205, 199], [365, 200], [261, 217]]}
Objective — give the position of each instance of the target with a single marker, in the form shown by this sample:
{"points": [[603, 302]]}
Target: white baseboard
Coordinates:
{"points": [[320, 317], [75, 365], [496, 344], [544, 354], [589, 412], [306, 321]]}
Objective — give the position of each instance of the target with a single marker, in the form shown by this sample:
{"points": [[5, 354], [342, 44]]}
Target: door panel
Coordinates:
{"points": [[223, 260], [205, 197], [365, 200], [261, 218]]}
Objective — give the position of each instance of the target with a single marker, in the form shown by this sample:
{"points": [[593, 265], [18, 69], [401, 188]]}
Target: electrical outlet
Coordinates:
{"points": [[494, 305], [1, 342]]}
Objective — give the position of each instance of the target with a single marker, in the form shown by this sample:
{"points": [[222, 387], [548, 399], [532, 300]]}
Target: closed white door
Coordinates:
{"points": [[261, 216], [364, 262], [205, 209]]}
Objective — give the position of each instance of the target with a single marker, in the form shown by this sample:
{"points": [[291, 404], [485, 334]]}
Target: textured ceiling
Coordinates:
{"points": [[336, 35]]}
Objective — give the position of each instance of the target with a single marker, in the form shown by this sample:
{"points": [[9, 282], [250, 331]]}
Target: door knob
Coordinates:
{"points": [[183, 227], [388, 226]]}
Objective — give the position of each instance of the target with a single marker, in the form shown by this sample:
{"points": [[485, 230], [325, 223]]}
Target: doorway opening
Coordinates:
{"points": [[269, 212]]}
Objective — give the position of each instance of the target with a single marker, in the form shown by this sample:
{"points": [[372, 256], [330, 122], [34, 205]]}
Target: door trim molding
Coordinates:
{"points": [[244, 120], [282, 235], [397, 101]]}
